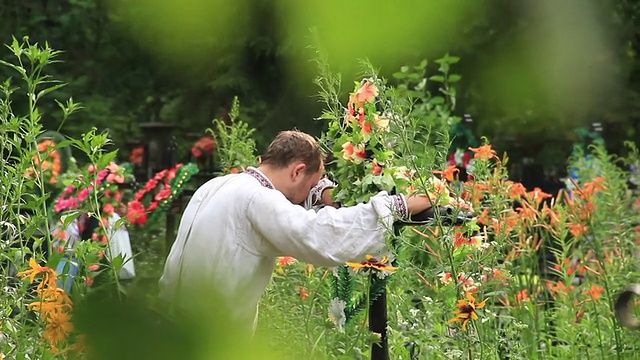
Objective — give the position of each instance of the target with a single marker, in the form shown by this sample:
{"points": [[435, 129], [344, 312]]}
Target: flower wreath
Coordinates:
{"points": [[74, 198], [171, 186]]}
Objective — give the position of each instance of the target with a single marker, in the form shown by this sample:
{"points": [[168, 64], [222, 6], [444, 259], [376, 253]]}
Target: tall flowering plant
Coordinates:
{"points": [[236, 145], [374, 146], [361, 148]]}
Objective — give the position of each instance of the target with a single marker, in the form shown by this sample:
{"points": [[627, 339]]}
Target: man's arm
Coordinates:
{"points": [[328, 236]]}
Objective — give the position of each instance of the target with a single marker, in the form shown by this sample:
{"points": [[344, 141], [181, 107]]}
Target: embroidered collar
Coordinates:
{"points": [[258, 175]]}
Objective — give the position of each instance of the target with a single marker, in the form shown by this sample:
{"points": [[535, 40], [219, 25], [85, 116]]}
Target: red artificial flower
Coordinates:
{"points": [[204, 146], [136, 213], [164, 194], [137, 155]]}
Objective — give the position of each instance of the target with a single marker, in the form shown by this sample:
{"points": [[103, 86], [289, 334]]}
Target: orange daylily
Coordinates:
{"points": [[49, 275], [537, 195], [286, 260], [483, 152], [522, 295], [592, 187], [558, 288], [577, 229], [459, 240], [527, 212], [449, 173], [516, 190], [484, 217], [553, 216], [594, 292]]}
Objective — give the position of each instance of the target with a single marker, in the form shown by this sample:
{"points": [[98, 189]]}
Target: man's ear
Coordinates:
{"points": [[298, 171]]}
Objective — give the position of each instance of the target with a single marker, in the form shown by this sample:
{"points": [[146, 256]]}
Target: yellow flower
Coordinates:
{"points": [[58, 328], [467, 310], [48, 308], [373, 263], [49, 275]]}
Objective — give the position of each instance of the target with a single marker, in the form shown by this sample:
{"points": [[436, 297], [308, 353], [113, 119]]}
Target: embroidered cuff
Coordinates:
{"points": [[400, 208], [315, 195]]}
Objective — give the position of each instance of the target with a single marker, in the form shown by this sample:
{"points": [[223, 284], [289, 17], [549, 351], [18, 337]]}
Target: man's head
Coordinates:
{"points": [[293, 162]]}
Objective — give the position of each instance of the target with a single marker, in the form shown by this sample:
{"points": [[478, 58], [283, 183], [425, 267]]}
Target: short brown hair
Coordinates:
{"points": [[293, 145]]}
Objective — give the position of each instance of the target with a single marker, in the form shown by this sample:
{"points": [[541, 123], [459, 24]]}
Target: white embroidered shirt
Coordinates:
{"points": [[235, 226]]}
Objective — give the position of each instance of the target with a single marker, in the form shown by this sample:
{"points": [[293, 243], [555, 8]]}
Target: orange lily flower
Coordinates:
{"points": [[483, 152], [49, 275], [449, 173]]}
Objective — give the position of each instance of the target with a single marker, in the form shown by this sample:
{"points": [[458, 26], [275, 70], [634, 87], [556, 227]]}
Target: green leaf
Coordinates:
{"points": [[438, 78], [422, 66], [105, 159], [454, 78], [117, 262], [44, 92], [15, 67], [436, 100], [69, 218], [387, 182]]}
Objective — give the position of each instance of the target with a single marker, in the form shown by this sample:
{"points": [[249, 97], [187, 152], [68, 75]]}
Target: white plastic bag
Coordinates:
{"points": [[119, 244]]}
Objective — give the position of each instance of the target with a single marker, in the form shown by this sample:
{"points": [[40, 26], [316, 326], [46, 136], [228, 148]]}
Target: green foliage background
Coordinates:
{"points": [[532, 72]]}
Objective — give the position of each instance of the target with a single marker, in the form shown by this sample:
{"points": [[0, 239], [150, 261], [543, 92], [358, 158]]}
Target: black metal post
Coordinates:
{"points": [[161, 153], [378, 312], [378, 324]]}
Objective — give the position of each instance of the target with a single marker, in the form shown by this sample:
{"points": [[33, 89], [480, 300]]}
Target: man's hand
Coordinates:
{"points": [[417, 203], [327, 199]]}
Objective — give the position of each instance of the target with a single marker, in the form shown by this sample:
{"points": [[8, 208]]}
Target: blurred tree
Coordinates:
{"points": [[531, 71]]}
